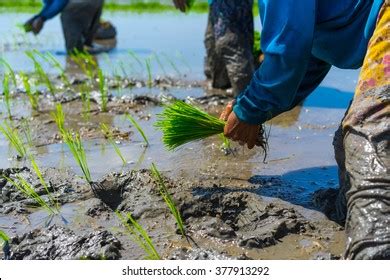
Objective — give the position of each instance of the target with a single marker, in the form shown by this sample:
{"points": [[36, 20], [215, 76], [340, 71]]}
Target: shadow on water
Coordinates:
{"points": [[326, 97], [296, 187]]}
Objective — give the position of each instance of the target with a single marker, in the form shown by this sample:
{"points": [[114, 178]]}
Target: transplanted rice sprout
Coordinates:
{"points": [[6, 93], [29, 192], [77, 149], [139, 128], [108, 134], [103, 91], [59, 118], [139, 235], [14, 139], [33, 97], [168, 199]]}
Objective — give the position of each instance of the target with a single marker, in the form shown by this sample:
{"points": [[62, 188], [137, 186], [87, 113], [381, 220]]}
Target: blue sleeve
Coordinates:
{"points": [[286, 40], [52, 8]]}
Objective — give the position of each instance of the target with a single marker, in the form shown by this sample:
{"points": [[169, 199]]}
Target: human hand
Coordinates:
{"points": [[37, 25], [237, 130], [180, 4]]}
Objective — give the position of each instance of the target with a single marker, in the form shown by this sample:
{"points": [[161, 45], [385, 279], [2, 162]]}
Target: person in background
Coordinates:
{"points": [[301, 40], [229, 61], [79, 18]]}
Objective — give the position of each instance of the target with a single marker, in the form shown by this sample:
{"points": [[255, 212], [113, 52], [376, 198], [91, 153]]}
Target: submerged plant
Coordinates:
{"points": [[139, 128], [14, 139], [103, 91], [139, 236], [33, 97], [168, 199], [77, 149], [108, 134], [6, 92]]}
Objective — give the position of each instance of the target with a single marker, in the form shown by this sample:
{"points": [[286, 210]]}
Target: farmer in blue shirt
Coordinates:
{"points": [[229, 61], [301, 40], [79, 18]]}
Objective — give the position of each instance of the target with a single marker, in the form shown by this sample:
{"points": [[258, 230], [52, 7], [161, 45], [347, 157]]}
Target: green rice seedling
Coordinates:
{"points": [[14, 139], [33, 97], [77, 149], [135, 57], [182, 123], [103, 91], [139, 128], [108, 134], [38, 172], [139, 236], [168, 199], [49, 57], [6, 92], [27, 132], [41, 73], [149, 70], [86, 100], [29, 192], [59, 118], [4, 244], [86, 62], [172, 63], [11, 72]]}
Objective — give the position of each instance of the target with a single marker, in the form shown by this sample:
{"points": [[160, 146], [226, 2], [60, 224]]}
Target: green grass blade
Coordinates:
{"points": [[108, 134], [14, 139], [139, 128], [168, 199]]}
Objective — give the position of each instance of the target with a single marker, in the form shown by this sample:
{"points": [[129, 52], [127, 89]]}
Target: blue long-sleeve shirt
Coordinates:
{"points": [[52, 8], [301, 40]]}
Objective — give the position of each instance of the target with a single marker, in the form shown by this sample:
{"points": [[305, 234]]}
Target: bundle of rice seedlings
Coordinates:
{"points": [[182, 123], [168, 199], [139, 235], [3, 237], [14, 139]]}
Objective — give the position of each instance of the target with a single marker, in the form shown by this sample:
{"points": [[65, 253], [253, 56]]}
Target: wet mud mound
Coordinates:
{"points": [[58, 243], [62, 184]]}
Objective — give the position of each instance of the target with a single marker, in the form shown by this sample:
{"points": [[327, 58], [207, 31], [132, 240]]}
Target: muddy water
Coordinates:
{"points": [[300, 159]]}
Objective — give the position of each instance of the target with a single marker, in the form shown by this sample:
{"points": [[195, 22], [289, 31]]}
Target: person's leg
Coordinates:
{"points": [[234, 33], [79, 22], [367, 152], [215, 68], [96, 12]]}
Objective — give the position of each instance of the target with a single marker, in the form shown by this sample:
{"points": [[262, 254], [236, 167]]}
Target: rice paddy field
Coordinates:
{"points": [[85, 174]]}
